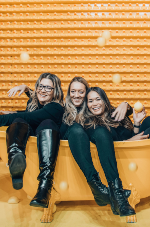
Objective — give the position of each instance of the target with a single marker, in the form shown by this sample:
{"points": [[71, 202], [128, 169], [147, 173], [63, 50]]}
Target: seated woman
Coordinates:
{"points": [[102, 131], [42, 118]]}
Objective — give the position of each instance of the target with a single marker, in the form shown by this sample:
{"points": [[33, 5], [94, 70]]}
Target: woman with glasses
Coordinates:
{"points": [[42, 118]]}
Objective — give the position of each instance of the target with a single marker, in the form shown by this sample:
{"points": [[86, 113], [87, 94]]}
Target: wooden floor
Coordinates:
{"points": [[68, 214]]}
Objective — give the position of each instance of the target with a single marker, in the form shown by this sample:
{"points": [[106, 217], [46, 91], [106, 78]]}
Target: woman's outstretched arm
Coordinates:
{"points": [[53, 111]]}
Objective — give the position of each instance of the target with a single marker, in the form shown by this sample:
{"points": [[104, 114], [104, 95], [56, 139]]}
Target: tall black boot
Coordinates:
{"points": [[16, 138], [48, 145], [119, 203]]}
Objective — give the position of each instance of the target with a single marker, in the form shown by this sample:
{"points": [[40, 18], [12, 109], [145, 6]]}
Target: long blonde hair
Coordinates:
{"points": [[71, 115], [89, 119], [58, 93]]}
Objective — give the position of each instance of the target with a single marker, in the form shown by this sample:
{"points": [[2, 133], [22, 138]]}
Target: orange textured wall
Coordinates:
{"points": [[61, 37]]}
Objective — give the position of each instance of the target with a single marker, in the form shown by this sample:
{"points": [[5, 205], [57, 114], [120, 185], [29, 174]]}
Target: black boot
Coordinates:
{"points": [[101, 193], [99, 190], [48, 145], [16, 138], [119, 203]]}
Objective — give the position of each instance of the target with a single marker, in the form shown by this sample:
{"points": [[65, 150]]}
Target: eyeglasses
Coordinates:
{"points": [[46, 88]]}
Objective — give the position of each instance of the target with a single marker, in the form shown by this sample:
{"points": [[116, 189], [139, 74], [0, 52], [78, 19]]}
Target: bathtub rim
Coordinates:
{"points": [[117, 144]]}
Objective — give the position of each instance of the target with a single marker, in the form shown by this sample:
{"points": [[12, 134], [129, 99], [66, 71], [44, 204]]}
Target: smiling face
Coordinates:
{"points": [[95, 103], [77, 93], [45, 94]]}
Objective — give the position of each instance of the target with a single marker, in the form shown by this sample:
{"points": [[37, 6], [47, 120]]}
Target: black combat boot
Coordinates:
{"points": [[118, 201], [99, 190], [101, 193]]}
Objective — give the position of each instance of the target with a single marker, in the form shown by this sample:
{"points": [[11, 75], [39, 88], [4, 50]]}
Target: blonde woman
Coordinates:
{"points": [[42, 118]]}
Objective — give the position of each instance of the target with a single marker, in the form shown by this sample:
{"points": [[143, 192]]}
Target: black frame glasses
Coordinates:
{"points": [[46, 88]]}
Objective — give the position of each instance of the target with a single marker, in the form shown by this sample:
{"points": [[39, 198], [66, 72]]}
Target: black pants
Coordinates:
{"points": [[46, 124], [79, 142], [145, 126]]}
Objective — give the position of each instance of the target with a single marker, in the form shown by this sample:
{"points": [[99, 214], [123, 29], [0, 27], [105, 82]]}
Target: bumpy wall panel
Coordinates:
{"points": [[61, 37]]}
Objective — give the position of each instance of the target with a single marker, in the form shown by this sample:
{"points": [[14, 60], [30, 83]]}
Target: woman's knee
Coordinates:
{"points": [[47, 124], [101, 133], [76, 130], [19, 120], [146, 121]]}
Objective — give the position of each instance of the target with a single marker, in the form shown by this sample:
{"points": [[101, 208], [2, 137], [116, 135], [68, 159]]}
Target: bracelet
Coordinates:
{"points": [[128, 106], [135, 126]]}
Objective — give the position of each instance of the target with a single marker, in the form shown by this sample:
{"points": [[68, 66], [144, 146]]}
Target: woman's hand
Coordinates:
{"points": [[138, 117], [120, 111], [139, 136], [22, 88]]}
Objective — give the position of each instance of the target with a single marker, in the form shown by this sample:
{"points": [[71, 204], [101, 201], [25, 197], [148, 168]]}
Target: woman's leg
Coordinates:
{"points": [[48, 139], [16, 138], [145, 125], [104, 143], [103, 140], [80, 148]]}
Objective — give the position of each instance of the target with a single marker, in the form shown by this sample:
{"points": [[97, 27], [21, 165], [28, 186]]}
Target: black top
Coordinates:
{"points": [[121, 133], [53, 111], [64, 127]]}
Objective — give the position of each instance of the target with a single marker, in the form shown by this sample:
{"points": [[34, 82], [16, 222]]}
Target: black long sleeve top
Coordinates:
{"points": [[53, 111], [64, 127]]}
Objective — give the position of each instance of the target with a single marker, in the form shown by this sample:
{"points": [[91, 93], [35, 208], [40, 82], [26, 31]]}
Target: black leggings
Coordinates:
{"points": [[145, 126], [46, 124], [79, 142]]}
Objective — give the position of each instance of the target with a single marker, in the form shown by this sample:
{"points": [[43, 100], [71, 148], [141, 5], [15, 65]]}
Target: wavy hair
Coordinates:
{"points": [[92, 120], [58, 93], [71, 115]]}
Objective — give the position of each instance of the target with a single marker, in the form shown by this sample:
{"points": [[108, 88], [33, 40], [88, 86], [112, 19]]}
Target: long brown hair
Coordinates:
{"points": [[71, 115], [92, 120], [58, 93]]}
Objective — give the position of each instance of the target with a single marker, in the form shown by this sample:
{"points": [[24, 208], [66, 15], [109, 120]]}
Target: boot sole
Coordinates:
{"points": [[101, 203], [127, 215], [17, 168], [37, 204]]}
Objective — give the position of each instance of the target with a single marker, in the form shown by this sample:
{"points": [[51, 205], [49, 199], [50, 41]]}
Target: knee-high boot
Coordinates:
{"points": [[48, 145], [16, 138]]}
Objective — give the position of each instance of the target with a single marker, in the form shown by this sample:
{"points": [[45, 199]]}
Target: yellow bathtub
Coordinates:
{"points": [[67, 170]]}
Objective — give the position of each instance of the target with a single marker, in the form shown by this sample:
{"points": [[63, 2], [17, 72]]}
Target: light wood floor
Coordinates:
{"points": [[68, 214]]}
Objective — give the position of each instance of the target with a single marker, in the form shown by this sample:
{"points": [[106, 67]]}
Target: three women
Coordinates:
{"points": [[79, 142]]}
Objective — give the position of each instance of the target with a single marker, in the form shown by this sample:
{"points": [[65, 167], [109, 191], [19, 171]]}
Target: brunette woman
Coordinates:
{"points": [[42, 118], [102, 131]]}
